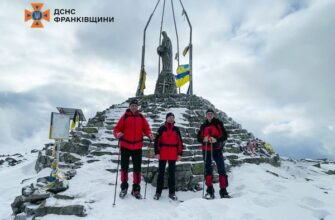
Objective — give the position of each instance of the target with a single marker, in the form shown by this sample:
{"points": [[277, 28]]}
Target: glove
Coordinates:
{"points": [[206, 139], [213, 140], [119, 135], [151, 137]]}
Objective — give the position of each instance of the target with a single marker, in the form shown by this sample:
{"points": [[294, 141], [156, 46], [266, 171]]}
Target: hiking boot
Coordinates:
{"points": [[224, 194], [209, 193], [209, 196], [136, 194], [157, 196], [173, 196], [123, 193]]}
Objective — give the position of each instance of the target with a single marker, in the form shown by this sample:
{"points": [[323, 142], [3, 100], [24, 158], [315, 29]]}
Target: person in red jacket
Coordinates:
{"points": [[168, 148], [211, 135], [130, 130]]}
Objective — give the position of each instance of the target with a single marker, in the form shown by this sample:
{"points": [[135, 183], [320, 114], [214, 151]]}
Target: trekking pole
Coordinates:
{"points": [[212, 159], [117, 171], [203, 181], [146, 182]]}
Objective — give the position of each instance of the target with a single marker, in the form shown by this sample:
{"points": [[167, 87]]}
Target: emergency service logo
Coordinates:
{"points": [[37, 15]]}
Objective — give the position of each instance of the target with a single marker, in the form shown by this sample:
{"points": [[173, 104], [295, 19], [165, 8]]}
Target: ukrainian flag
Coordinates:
{"points": [[183, 75], [75, 119]]}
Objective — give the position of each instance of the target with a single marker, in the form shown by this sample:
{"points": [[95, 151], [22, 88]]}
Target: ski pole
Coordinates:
{"points": [[117, 171], [205, 162], [146, 182]]}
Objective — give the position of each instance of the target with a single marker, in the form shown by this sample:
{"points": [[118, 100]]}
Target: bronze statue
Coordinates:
{"points": [[166, 83], [165, 51]]}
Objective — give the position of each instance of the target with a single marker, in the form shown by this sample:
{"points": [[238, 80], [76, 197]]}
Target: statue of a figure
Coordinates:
{"points": [[165, 51]]}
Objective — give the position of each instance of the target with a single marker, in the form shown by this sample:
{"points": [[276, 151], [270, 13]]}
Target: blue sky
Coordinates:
{"points": [[267, 64]]}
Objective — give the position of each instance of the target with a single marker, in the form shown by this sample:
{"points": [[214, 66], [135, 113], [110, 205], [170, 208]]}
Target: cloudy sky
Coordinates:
{"points": [[268, 64]]}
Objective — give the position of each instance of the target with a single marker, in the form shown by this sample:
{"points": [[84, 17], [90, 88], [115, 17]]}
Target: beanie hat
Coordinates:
{"points": [[134, 101], [169, 114], [210, 110]]}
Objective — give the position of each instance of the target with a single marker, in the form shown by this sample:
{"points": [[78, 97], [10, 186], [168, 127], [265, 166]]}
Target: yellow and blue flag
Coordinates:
{"points": [[75, 119], [183, 75]]}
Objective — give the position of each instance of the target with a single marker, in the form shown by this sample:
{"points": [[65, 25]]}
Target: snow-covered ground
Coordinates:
{"points": [[296, 190]]}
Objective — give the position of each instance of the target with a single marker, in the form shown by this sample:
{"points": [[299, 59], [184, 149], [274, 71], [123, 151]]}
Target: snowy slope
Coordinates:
{"points": [[296, 190]]}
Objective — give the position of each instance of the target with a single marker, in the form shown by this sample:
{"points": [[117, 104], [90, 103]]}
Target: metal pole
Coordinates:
{"points": [[203, 181], [117, 171], [146, 182], [160, 37], [143, 47], [144, 33], [175, 26], [191, 50], [57, 152]]}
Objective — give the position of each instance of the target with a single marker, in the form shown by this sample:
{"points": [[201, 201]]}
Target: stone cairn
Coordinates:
{"points": [[95, 139]]}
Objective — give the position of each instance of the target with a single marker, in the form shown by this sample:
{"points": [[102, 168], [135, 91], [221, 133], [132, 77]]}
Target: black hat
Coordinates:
{"points": [[169, 114], [210, 110], [134, 101]]}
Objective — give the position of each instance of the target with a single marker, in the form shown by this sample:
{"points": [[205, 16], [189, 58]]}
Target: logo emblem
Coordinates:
{"points": [[37, 15]]}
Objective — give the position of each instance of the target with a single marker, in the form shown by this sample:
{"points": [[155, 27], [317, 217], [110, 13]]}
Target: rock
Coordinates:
{"points": [[21, 216], [330, 172], [101, 153], [90, 130], [63, 197], [11, 161], [92, 161], [36, 197], [104, 145], [42, 161], [77, 210], [318, 165], [28, 190], [69, 157], [198, 168], [60, 185], [70, 174], [85, 142], [17, 204], [75, 148]]}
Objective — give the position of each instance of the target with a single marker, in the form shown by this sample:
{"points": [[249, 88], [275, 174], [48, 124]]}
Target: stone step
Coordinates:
{"points": [[102, 153], [193, 147], [104, 145], [195, 158]]}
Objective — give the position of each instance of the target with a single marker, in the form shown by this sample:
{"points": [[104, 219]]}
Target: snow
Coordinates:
{"points": [[299, 190]]}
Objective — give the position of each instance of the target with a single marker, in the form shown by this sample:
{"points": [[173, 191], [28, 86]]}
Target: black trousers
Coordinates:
{"points": [[171, 180], [218, 158], [136, 156]]}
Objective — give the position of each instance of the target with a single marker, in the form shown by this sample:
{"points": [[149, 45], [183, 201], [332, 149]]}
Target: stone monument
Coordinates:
{"points": [[166, 81]]}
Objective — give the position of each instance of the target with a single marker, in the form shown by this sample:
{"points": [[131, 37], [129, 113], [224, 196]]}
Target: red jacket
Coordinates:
{"points": [[133, 127], [168, 142], [213, 129]]}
